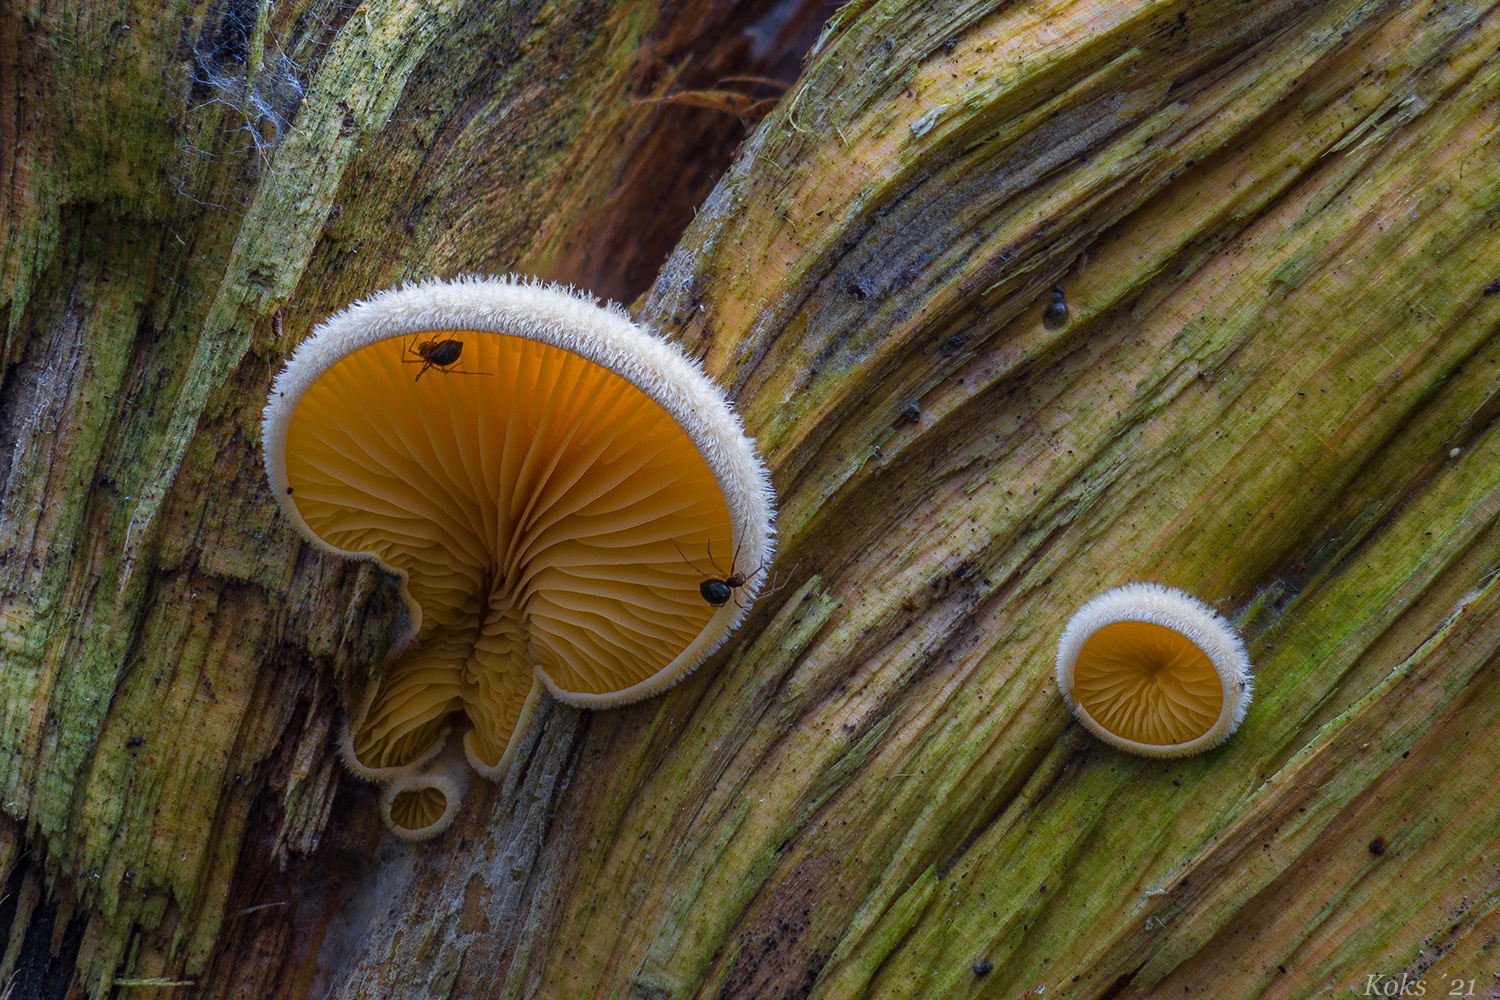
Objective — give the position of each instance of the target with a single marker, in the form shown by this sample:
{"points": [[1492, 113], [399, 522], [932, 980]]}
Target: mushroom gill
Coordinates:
{"points": [[544, 493]]}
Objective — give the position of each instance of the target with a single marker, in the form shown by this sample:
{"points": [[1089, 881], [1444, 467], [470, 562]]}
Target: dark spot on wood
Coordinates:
{"points": [[1377, 846], [982, 967], [135, 742], [954, 344], [1056, 313], [1120, 985], [231, 43], [409, 223]]}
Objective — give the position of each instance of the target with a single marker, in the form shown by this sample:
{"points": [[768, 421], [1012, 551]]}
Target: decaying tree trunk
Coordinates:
{"points": [[1275, 229]]}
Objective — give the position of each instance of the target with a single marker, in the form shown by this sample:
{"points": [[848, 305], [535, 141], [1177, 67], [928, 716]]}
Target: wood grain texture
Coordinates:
{"points": [[1274, 226], [1278, 336]]}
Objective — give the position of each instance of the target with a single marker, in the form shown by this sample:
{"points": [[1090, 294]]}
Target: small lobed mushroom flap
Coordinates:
{"points": [[406, 716], [422, 804], [1155, 671], [556, 487]]}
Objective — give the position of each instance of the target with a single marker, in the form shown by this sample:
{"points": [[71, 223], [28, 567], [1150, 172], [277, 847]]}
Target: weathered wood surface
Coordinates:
{"points": [[186, 190], [1276, 230]]}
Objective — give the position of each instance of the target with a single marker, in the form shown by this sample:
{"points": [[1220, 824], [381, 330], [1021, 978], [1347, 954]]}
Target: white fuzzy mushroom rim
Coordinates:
{"points": [[467, 581], [1155, 671], [420, 805]]}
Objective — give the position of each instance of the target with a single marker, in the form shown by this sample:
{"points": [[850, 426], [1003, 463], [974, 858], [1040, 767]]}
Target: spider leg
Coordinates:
{"points": [[734, 560], [777, 587], [690, 563]]}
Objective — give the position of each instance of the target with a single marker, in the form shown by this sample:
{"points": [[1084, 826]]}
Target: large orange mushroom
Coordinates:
{"points": [[569, 502]]}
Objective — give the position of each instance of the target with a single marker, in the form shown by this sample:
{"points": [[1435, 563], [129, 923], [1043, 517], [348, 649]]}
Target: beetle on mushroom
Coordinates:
{"points": [[535, 517]]}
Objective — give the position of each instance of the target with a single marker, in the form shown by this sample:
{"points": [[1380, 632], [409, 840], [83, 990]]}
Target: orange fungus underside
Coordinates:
{"points": [[1147, 683], [537, 502]]}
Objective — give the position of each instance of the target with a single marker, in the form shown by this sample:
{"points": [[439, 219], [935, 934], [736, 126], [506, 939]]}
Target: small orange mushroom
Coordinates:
{"points": [[1155, 671], [423, 804], [541, 473]]}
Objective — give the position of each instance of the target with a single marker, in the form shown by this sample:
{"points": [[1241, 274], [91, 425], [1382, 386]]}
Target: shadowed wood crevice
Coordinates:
{"points": [[676, 153]]}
